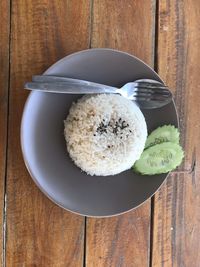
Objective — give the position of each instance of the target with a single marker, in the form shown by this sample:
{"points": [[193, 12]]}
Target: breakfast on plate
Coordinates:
{"points": [[105, 134], [106, 152]]}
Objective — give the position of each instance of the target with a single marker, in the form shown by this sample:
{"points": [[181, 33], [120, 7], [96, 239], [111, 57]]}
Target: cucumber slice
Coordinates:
{"points": [[160, 158], [167, 133]]}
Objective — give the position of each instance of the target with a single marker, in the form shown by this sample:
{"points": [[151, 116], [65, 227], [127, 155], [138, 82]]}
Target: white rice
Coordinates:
{"points": [[105, 134]]}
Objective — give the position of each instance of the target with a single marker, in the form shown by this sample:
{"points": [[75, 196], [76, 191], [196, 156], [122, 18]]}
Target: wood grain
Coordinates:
{"points": [[38, 232], [119, 241], [124, 240], [4, 77], [125, 25], [177, 210]]}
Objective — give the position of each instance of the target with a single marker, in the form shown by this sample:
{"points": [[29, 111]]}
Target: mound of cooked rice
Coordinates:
{"points": [[105, 134]]}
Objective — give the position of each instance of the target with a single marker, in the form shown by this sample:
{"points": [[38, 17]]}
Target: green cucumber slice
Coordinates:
{"points": [[167, 133], [160, 158]]}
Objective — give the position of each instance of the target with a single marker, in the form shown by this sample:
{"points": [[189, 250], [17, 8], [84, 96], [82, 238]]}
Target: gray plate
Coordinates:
{"points": [[43, 143]]}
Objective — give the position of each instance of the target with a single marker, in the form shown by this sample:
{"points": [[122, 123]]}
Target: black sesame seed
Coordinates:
{"points": [[130, 131]]}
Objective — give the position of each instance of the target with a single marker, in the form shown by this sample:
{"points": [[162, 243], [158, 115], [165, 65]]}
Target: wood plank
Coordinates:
{"points": [[4, 77], [123, 240], [38, 232], [125, 25], [177, 211]]}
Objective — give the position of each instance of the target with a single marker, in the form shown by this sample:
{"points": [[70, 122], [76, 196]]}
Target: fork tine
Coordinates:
{"points": [[140, 98], [152, 87], [151, 97], [150, 84], [154, 90], [159, 92], [160, 98], [150, 94]]}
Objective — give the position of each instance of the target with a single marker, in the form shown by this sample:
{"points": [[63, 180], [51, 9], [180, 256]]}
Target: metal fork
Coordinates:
{"points": [[147, 93]]}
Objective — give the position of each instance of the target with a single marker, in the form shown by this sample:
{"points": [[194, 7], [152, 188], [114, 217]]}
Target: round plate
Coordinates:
{"points": [[44, 147]]}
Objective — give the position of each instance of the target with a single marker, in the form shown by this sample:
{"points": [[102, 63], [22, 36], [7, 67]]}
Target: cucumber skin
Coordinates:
{"points": [[167, 146], [166, 133]]}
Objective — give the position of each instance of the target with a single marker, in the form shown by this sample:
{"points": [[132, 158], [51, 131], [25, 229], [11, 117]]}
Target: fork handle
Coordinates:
{"points": [[68, 88], [55, 84]]}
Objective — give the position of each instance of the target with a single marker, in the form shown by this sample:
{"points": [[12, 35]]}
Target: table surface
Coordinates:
{"points": [[165, 230]]}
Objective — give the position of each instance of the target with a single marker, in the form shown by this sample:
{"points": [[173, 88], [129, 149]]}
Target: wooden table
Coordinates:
{"points": [[165, 230]]}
